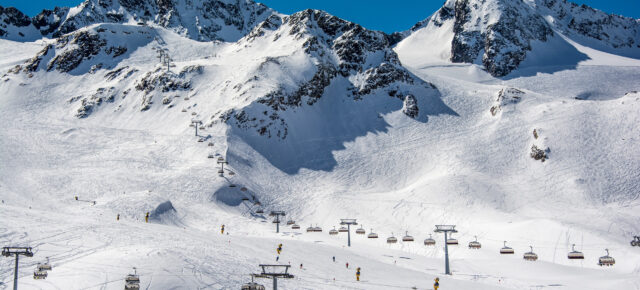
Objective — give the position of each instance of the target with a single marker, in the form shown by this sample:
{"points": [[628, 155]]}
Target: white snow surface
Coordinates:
{"points": [[456, 164]]}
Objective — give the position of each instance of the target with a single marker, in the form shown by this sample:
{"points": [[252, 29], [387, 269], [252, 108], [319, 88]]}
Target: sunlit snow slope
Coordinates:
{"points": [[325, 120]]}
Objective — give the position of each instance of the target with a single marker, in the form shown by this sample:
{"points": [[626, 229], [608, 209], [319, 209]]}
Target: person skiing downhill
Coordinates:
{"points": [[222, 230], [334, 259], [347, 265], [118, 217], [279, 249], [146, 217], [436, 285], [358, 274]]}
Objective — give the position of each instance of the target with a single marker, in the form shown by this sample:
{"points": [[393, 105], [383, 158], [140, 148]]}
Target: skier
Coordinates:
{"points": [[277, 258], [334, 259], [222, 230], [76, 197], [118, 217], [436, 285], [347, 265], [300, 266], [279, 249], [358, 274], [146, 217]]}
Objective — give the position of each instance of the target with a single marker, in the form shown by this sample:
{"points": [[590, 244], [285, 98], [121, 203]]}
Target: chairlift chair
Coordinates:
{"points": [[193, 113], [210, 144], [245, 198], [192, 125], [39, 275], [392, 239], [45, 267], [257, 203], [290, 222], [184, 110], [451, 240], [220, 159], [575, 255], [606, 260], [506, 250], [475, 244], [343, 229], [295, 226], [243, 189], [132, 281], [231, 173], [530, 256], [407, 237], [252, 286], [220, 171], [201, 128], [317, 229], [361, 231], [260, 210], [210, 156], [310, 229], [232, 185], [333, 232], [372, 235], [429, 241], [201, 140]]}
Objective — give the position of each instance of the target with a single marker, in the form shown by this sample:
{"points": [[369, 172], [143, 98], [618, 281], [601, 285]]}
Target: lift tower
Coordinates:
{"points": [[16, 251], [446, 229]]}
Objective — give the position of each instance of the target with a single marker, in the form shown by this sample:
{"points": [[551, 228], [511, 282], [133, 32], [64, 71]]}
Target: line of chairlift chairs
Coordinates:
{"points": [[605, 260]]}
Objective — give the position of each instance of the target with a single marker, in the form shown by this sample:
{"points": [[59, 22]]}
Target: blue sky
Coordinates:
{"points": [[385, 15]]}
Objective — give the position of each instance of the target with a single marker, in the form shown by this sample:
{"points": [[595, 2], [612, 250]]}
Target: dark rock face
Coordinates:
{"points": [[48, 21], [538, 154], [611, 30], [410, 106], [11, 19], [505, 42], [506, 96], [86, 46]]}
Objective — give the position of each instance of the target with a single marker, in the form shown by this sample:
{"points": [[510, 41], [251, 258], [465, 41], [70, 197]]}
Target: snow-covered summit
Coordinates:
{"points": [[202, 20], [501, 34]]}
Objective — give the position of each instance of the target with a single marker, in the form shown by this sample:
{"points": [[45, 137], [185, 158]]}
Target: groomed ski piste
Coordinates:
{"points": [[457, 164]]}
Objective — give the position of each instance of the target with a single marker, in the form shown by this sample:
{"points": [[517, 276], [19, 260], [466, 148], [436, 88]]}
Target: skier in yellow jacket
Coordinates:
{"points": [[358, 274]]}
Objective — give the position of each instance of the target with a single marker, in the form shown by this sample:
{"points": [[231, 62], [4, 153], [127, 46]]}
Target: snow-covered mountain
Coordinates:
{"points": [[501, 34], [202, 20], [529, 136]]}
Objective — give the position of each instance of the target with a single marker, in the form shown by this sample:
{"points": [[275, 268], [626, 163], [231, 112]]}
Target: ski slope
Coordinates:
{"points": [[454, 164]]}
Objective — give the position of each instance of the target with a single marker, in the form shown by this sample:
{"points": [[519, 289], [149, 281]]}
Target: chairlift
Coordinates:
{"points": [[210, 144], [575, 255], [220, 171], [392, 239], [310, 229], [220, 159], [606, 260], [40, 275], [475, 244], [231, 173], [200, 140], [506, 250], [333, 232], [245, 198], [186, 98], [132, 281], [45, 267], [317, 229], [232, 185], [252, 286], [451, 240], [361, 231], [210, 155], [193, 113], [260, 210], [243, 189], [295, 226], [372, 235], [343, 229], [407, 237], [290, 222], [192, 125], [530, 256], [184, 110], [429, 241]]}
